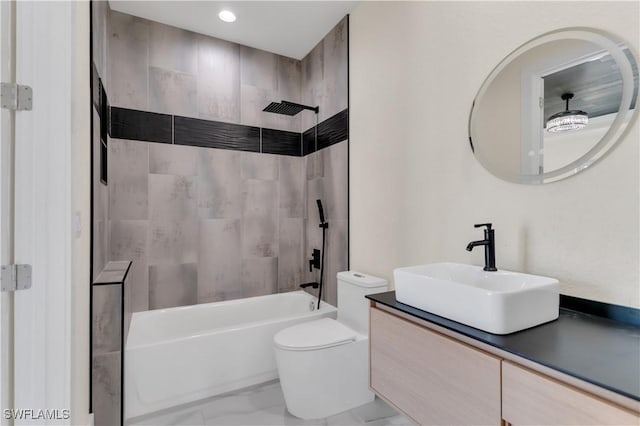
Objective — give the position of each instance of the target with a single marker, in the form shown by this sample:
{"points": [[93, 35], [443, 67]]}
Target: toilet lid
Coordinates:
{"points": [[322, 333]]}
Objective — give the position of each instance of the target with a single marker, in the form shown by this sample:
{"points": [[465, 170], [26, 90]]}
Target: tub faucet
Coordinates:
{"points": [[489, 244]]}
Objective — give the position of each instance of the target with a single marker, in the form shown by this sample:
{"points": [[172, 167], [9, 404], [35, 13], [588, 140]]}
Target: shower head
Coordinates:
{"points": [[288, 108]]}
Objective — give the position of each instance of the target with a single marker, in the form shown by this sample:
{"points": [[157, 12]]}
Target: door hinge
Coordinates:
{"points": [[16, 97], [15, 277]]}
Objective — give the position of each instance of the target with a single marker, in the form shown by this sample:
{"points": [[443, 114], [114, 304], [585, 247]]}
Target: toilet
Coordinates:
{"points": [[324, 364]]}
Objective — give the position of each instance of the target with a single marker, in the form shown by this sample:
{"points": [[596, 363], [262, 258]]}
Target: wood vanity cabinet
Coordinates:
{"points": [[436, 379], [431, 378], [532, 398]]}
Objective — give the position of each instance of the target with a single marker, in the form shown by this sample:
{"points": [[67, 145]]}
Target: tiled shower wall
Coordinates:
{"points": [[100, 30], [158, 68], [204, 224], [325, 82]]}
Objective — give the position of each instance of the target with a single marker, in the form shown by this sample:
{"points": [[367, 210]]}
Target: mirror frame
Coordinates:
{"points": [[618, 127]]}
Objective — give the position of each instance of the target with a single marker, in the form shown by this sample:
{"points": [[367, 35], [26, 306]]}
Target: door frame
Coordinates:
{"points": [[52, 210]]}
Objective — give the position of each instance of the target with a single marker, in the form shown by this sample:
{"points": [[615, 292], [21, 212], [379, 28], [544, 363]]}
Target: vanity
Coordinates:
{"points": [[467, 345], [579, 369]]}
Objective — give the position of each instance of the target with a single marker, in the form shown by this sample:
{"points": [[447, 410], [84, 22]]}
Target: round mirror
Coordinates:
{"points": [[554, 106]]}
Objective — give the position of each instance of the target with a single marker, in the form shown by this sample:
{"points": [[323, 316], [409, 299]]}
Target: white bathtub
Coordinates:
{"points": [[179, 355]]}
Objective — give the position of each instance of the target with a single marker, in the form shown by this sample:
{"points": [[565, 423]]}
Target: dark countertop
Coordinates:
{"points": [[597, 350]]}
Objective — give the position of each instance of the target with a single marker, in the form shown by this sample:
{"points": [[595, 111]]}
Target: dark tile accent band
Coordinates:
{"points": [[153, 127], [309, 141], [333, 130], [618, 313], [281, 142], [140, 125], [214, 134]]}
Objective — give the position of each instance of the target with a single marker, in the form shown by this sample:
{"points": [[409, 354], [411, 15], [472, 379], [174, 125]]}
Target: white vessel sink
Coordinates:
{"points": [[500, 302]]}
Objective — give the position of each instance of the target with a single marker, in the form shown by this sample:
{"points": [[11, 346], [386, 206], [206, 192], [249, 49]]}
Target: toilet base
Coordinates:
{"points": [[320, 383]]}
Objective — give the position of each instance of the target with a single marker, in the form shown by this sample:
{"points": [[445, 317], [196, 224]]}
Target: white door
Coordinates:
{"points": [[7, 74], [44, 213]]}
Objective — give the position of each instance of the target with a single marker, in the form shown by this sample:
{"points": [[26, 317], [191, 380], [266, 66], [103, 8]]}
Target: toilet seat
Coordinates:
{"points": [[314, 335]]}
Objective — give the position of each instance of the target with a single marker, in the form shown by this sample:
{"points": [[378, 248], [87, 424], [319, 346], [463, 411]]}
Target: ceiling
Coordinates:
{"points": [[596, 85], [288, 28]]}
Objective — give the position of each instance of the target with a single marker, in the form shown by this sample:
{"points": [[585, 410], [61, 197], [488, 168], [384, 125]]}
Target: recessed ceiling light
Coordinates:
{"points": [[227, 16]]}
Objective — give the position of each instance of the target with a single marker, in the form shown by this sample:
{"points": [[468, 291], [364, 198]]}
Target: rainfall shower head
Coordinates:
{"points": [[288, 108]]}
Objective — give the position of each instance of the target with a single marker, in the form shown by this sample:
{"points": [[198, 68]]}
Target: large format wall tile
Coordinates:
{"points": [[291, 260], [99, 27], [172, 197], [128, 176], [129, 61], [219, 183], [172, 92], [129, 241], [258, 68], [336, 169], [336, 258], [106, 318], [325, 75], [289, 79], [259, 276], [173, 241], [312, 78], [219, 260], [173, 159], [335, 77], [172, 48], [260, 219], [252, 102], [312, 233], [314, 164], [292, 183], [106, 388], [258, 166], [218, 80], [173, 285], [100, 206]]}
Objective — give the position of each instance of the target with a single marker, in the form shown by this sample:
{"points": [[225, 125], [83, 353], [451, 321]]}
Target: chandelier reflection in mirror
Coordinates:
{"points": [[520, 120], [567, 120]]}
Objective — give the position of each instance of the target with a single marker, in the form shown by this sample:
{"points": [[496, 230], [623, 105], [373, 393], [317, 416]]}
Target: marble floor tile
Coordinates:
{"points": [[263, 405]]}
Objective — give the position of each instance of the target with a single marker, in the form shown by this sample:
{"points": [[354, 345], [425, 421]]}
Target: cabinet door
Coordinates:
{"points": [[531, 398], [432, 378]]}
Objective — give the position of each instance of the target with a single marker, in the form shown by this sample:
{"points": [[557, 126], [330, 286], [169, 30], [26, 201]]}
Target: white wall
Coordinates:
{"points": [[416, 189]]}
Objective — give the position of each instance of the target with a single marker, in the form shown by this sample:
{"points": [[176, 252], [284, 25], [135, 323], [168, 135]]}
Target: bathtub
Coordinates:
{"points": [[179, 355]]}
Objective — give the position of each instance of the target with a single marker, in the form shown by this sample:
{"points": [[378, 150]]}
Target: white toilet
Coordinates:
{"points": [[324, 365]]}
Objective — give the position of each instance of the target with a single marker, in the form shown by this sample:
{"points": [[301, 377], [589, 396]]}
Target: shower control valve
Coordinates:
{"points": [[314, 262]]}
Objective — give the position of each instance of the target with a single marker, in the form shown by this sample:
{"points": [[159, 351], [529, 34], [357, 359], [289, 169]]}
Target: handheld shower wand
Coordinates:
{"points": [[321, 211], [324, 225]]}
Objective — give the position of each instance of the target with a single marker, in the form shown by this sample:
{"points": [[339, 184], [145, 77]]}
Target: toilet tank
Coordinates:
{"points": [[353, 307]]}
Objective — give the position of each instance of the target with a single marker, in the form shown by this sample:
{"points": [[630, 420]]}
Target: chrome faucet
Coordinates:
{"points": [[489, 244]]}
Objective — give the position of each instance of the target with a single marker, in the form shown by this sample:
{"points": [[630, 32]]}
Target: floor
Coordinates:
{"points": [[264, 405]]}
